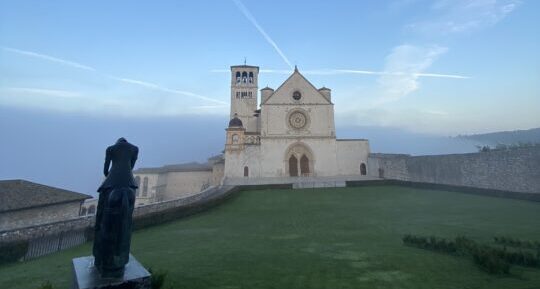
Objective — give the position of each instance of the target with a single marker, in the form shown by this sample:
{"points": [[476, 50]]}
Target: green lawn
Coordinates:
{"points": [[323, 238]]}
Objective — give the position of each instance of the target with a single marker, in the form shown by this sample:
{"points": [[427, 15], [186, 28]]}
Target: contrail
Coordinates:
{"points": [[49, 58], [164, 89], [352, 71], [251, 19], [125, 80]]}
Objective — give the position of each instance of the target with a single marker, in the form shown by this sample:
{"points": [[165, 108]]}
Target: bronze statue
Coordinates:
{"points": [[112, 235]]}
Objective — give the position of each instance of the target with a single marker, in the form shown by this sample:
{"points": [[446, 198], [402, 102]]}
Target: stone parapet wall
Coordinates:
{"points": [[515, 170], [86, 222]]}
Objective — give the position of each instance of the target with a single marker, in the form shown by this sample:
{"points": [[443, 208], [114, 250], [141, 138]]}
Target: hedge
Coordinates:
{"points": [[12, 251]]}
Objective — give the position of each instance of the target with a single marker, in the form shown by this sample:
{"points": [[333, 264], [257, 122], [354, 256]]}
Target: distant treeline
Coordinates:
{"points": [[505, 137], [494, 260], [505, 147]]}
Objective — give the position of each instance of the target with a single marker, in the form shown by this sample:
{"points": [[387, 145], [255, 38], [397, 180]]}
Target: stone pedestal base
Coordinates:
{"points": [[86, 276]]}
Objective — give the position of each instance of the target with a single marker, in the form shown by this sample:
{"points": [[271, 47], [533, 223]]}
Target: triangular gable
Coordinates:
{"points": [[296, 81]]}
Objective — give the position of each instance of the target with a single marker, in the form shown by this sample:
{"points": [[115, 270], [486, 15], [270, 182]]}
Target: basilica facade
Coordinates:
{"points": [[290, 134], [288, 137]]}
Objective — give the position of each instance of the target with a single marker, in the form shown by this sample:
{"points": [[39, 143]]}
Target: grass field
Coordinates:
{"points": [[323, 238]]}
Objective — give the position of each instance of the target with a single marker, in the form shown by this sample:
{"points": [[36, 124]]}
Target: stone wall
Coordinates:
{"points": [[516, 170], [179, 184], [82, 223], [39, 215]]}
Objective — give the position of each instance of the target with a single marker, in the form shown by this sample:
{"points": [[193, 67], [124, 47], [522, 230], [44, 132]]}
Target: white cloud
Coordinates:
{"points": [[253, 21], [464, 16], [403, 66]]}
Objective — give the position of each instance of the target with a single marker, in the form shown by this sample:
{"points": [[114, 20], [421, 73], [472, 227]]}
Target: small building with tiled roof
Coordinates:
{"points": [[24, 203]]}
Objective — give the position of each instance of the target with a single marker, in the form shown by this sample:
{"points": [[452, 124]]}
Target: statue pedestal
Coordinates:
{"points": [[86, 276]]}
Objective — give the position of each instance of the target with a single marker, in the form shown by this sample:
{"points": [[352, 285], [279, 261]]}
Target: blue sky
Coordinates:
{"points": [[441, 67], [76, 75]]}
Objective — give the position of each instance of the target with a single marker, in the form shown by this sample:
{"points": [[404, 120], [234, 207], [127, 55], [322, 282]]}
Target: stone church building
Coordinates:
{"points": [[289, 137]]}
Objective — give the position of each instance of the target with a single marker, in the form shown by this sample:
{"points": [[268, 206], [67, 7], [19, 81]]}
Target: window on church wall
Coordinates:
{"points": [[246, 171], [145, 187], [83, 211], [297, 95], [244, 77], [251, 77], [238, 94], [235, 139], [304, 165], [238, 77]]}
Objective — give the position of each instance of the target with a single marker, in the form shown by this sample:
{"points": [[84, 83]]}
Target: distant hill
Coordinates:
{"points": [[505, 137]]}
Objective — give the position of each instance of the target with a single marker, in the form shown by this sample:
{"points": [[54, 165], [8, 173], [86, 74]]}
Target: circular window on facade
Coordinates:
{"points": [[296, 95], [298, 120]]}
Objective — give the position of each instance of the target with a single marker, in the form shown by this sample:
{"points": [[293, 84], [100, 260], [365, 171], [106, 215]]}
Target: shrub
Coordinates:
{"points": [[488, 260], [157, 279], [513, 242], [46, 285], [491, 260], [12, 251]]}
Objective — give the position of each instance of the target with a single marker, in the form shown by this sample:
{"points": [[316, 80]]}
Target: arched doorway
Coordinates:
{"points": [[246, 171], [299, 160], [363, 170], [304, 166], [293, 166]]}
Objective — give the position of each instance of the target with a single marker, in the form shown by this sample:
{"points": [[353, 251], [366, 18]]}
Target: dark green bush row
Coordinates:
{"points": [[483, 257], [12, 251], [493, 260], [513, 242], [46, 285], [430, 243]]}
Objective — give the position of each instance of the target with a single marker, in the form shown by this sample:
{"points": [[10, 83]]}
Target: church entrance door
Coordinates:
{"points": [[304, 165], [293, 166]]}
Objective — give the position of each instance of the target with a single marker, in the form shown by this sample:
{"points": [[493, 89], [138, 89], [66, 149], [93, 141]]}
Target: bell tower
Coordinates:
{"points": [[244, 88]]}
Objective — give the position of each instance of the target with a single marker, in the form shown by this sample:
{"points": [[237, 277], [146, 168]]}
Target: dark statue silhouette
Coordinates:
{"points": [[112, 235]]}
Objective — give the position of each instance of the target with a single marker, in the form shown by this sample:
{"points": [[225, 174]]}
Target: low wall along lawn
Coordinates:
{"points": [[31, 242], [513, 170]]}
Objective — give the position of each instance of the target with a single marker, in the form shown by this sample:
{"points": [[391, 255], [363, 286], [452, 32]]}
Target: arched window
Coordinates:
{"points": [[238, 94], [145, 187], [238, 77], [304, 165], [251, 77], [138, 182], [244, 77], [234, 138], [363, 170], [293, 166], [246, 171], [91, 210], [83, 211]]}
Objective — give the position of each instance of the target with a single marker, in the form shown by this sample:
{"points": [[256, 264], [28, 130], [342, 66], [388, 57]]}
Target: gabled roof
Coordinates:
{"points": [[21, 194], [296, 72]]}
